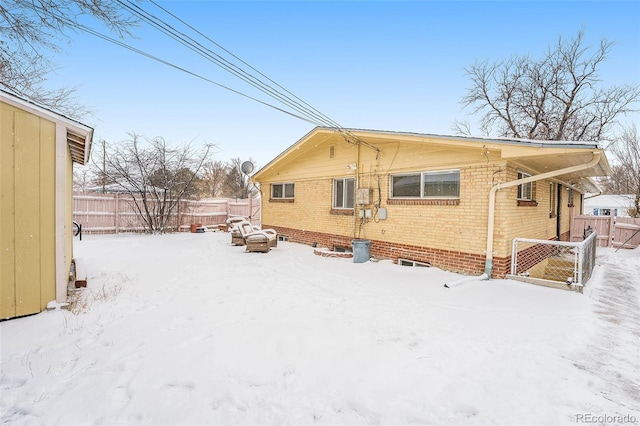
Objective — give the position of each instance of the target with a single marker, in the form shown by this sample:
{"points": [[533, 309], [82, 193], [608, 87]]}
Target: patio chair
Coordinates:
{"points": [[232, 226], [255, 239]]}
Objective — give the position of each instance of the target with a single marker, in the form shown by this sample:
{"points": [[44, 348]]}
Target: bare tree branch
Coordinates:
{"points": [[30, 29], [558, 97], [156, 175]]}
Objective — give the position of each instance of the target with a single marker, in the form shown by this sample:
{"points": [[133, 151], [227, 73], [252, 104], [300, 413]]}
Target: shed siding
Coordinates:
{"points": [[27, 233], [7, 214]]}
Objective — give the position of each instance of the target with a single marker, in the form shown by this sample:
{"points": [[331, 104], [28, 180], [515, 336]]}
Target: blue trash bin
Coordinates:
{"points": [[361, 250]]}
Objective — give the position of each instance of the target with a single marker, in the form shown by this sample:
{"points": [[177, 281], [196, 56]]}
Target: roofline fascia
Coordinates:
{"points": [[499, 141], [32, 107], [75, 126]]}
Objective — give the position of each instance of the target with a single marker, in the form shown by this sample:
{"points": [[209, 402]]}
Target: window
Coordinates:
{"points": [[282, 190], [552, 199], [443, 184], [343, 193], [525, 190], [407, 262]]}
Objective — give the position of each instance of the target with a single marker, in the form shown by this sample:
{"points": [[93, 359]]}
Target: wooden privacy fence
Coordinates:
{"points": [[612, 231], [114, 213]]}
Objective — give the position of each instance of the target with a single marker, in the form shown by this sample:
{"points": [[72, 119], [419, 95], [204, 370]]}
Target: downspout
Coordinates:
{"points": [[488, 264], [356, 185], [594, 195]]}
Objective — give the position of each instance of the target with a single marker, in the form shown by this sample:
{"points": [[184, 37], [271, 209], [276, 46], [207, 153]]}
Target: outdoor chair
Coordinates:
{"points": [[260, 240], [232, 226]]}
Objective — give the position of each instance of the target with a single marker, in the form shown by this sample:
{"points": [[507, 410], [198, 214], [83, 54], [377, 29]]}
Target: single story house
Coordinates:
{"points": [[448, 201], [37, 150], [609, 205]]}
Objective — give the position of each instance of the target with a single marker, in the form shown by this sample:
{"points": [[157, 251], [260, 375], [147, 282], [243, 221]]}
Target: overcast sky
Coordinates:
{"points": [[365, 64]]}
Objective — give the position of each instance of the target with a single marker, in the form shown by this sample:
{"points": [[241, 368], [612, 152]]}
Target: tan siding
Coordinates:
{"points": [[7, 215], [27, 224], [47, 212]]}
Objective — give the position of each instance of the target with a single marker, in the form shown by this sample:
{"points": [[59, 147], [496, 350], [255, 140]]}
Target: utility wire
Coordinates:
{"points": [[218, 60], [243, 62], [306, 112], [189, 42], [162, 61]]}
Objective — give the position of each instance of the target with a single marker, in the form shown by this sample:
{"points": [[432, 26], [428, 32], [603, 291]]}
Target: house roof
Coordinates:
{"points": [[535, 156], [610, 201], [79, 135]]}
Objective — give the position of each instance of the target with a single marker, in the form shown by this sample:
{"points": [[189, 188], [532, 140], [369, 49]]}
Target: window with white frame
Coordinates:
{"points": [[343, 193], [282, 191], [525, 190], [440, 184]]}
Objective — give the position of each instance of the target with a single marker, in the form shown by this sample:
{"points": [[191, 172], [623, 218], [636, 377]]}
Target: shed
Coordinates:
{"points": [[38, 148]]}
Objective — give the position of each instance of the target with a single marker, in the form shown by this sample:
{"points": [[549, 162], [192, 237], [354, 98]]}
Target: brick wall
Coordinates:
{"points": [[451, 234], [455, 261]]}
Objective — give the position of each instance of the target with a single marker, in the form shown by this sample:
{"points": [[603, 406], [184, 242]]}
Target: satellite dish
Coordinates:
{"points": [[246, 167]]}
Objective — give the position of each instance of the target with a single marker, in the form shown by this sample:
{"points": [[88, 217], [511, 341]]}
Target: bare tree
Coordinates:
{"points": [[156, 175], [558, 97], [213, 176], [626, 176], [83, 178], [31, 28], [236, 183]]}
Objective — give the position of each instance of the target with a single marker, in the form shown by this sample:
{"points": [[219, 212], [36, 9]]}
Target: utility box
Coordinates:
{"points": [[363, 196]]}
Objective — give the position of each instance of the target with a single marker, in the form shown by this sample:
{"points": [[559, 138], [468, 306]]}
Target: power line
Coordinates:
{"points": [[211, 56], [310, 111], [305, 111], [242, 61], [172, 65]]}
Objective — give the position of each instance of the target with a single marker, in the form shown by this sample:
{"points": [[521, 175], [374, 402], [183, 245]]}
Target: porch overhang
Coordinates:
{"points": [[557, 159]]}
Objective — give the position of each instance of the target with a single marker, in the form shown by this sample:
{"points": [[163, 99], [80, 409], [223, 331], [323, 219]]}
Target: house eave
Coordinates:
{"points": [[536, 156]]}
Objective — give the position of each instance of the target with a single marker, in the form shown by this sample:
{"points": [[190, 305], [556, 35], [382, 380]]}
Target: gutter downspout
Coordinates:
{"points": [[597, 194], [488, 265]]}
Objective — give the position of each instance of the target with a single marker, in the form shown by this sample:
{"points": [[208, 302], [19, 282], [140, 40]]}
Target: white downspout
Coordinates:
{"points": [[488, 265]]}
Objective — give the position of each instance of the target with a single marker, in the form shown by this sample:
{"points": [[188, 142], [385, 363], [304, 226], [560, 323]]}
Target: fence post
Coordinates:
{"points": [[514, 256], [612, 225], [116, 215], [580, 255]]}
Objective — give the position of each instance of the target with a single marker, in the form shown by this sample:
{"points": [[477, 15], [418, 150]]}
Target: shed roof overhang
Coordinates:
{"points": [[79, 136]]}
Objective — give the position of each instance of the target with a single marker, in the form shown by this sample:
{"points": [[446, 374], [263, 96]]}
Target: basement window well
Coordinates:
{"points": [[415, 263], [339, 249]]}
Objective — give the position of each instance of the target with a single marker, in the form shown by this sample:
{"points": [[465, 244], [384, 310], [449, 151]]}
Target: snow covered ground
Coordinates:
{"points": [[187, 329]]}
